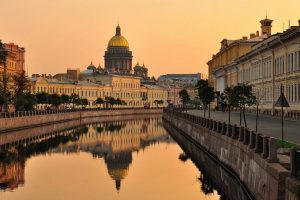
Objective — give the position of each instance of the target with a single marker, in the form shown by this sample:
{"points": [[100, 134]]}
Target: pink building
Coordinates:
{"points": [[19, 56]]}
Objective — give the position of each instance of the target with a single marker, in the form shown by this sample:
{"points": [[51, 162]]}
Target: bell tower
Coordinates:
{"points": [[266, 26]]}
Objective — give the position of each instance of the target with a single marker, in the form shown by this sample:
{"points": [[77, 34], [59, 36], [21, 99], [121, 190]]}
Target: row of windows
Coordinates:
{"points": [[265, 94], [126, 85], [293, 61], [279, 65], [94, 93]]}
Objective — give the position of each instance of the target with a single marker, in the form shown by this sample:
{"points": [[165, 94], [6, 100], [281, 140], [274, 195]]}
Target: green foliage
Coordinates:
{"points": [[111, 101], [205, 92], [84, 102], [54, 99], [65, 98], [74, 99], [185, 97], [286, 144], [243, 95], [24, 102], [3, 54], [41, 98], [21, 83], [99, 101]]}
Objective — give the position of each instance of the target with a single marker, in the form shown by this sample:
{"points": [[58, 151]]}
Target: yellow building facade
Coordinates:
{"points": [[126, 88], [270, 64], [222, 69]]}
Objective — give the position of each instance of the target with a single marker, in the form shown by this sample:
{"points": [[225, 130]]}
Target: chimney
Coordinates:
{"points": [[245, 38], [299, 22], [257, 33], [252, 35]]}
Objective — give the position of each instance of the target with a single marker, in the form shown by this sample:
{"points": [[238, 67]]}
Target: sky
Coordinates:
{"points": [[168, 36]]}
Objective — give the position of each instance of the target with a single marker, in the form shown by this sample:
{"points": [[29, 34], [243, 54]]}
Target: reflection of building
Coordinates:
{"points": [[12, 174], [118, 57], [118, 166], [116, 141]]}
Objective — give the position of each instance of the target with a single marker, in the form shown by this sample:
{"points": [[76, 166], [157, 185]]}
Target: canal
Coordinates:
{"points": [[129, 158]]}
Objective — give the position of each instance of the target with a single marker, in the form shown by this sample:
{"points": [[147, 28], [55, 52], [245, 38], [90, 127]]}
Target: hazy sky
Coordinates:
{"points": [[170, 36]]}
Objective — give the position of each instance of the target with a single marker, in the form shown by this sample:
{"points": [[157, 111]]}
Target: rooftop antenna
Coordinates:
{"points": [[289, 23], [283, 27]]}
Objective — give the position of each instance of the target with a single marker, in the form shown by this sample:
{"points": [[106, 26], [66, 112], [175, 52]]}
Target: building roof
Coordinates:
{"points": [[180, 77], [271, 42], [118, 40]]}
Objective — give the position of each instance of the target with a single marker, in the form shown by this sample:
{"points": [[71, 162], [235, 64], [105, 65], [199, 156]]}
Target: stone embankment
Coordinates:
{"points": [[252, 157], [43, 132], [35, 119]]}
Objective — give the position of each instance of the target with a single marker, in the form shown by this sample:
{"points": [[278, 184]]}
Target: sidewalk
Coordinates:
{"points": [[267, 125]]}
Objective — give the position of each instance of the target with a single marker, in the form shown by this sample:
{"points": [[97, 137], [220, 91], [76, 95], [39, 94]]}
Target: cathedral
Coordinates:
{"points": [[118, 57]]}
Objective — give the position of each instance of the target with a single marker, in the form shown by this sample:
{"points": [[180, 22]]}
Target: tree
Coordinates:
{"points": [[244, 97], [22, 99], [118, 101], [41, 98], [185, 97], [156, 102], [84, 102], [74, 99], [206, 94], [111, 101], [54, 100], [229, 99], [3, 56], [65, 99], [99, 101]]}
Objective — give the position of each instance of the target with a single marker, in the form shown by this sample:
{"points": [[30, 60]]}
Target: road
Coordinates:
{"points": [[266, 125]]}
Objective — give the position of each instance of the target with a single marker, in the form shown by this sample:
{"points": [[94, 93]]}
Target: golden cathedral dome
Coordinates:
{"points": [[118, 40]]}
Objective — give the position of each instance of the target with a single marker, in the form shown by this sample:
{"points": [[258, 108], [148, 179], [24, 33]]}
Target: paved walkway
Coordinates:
{"points": [[266, 125]]}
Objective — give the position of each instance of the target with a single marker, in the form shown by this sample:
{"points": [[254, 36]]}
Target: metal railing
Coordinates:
{"points": [[263, 145]]}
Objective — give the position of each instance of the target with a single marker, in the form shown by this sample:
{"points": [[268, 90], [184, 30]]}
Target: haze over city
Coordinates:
{"points": [[169, 36]]}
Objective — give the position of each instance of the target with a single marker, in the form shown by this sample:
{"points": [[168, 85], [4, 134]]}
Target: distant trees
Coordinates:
{"points": [[158, 102], [74, 99], [54, 100], [185, 97], [239, 96], [65, 99], [206, 94], [99, 101], [22, 98]]}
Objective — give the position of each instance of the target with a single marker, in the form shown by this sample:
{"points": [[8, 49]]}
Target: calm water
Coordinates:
{"points": [[128, 159]]}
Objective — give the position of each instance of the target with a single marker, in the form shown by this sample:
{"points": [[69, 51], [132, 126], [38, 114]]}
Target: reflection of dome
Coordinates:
{"points": [[118, 40], [118, 166]]}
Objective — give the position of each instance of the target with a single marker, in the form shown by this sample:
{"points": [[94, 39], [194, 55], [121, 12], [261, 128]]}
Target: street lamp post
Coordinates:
{"points": [[282, 102]]}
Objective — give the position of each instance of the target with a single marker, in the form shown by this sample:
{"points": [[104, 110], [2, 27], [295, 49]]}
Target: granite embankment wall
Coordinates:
{"points": [[251, 156], [14, 123], [41, 132]]}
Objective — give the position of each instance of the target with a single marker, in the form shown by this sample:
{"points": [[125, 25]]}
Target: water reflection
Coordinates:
{"points": [[213, 176], [113, 141]]}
